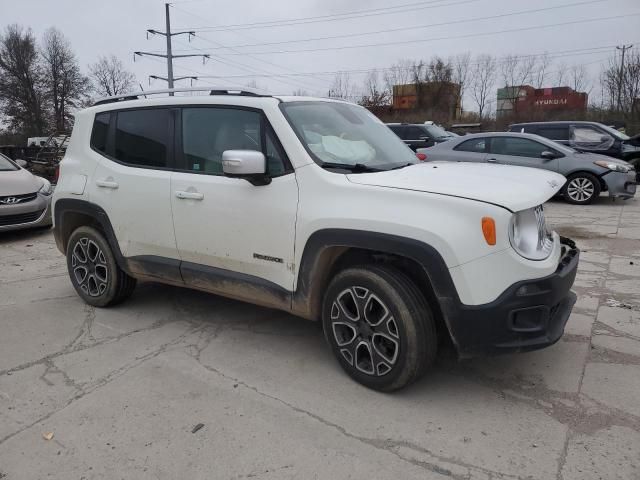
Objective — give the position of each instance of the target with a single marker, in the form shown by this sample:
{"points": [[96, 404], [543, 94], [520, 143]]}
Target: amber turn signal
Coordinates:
{"points": [[489, 230]]}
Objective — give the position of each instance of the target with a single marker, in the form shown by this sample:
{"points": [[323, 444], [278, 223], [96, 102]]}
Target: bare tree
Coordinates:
{"points": [[561, 74], [341, 87], [110, 78], [66, 85], [579, 78], [621, 85], [483, 79], [300, 93], [22, 88], [461, 73], [374, 94], [541, 70], [400, 73]]}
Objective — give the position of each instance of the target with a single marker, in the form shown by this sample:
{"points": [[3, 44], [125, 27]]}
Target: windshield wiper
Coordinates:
{"points": [[353, 167], [403, 166]]}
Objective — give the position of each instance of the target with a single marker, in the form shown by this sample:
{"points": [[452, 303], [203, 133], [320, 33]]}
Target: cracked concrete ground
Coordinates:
{"points": [[122, 388]]}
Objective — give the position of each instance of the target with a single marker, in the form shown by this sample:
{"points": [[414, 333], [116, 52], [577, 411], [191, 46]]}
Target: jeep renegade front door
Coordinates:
{"points": [[224, 224]]}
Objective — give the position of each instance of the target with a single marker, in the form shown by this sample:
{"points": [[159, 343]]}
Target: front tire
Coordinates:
{"points": [[379, 326], [581, 189], [93, 269]]}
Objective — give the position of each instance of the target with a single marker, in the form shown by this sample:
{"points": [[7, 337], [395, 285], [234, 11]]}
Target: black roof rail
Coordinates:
{"points": [[215, 90]]}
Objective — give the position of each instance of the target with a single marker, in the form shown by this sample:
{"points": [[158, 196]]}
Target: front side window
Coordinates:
{"points": [[100, 131], [342, 133], [476, 145], [208, 132], [587, 137], [142, 137], [519, 147]]}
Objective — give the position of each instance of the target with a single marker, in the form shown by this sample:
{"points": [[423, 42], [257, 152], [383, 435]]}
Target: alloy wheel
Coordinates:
{"points": [[365, 331], [89, 266], [580, 189]]}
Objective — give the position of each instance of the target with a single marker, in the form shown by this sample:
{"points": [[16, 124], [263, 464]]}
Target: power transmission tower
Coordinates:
{"points": [[169, 55], [623, 48]]}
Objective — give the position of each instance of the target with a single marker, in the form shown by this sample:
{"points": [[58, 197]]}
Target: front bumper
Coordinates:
{"points": [[32, 214], [621, 185], [529, 315]]}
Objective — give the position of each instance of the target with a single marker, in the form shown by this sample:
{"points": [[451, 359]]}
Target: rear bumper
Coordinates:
{"points": [[529, 315]]}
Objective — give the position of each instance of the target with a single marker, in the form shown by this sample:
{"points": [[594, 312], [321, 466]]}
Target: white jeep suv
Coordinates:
{"points": [[314, 207]]}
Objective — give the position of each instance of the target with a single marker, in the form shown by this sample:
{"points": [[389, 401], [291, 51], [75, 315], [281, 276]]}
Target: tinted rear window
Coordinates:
{"points": [[554, 133], [100, 131], [142, 136]]}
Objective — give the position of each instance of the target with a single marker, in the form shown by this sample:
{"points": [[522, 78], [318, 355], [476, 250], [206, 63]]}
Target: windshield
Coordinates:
{"points": [[616, 133], [340, 133], [436, 131], [6, 165]]}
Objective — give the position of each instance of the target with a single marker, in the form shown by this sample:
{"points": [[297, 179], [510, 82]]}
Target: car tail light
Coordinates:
{"points": [[422, 157], [56, 174]]}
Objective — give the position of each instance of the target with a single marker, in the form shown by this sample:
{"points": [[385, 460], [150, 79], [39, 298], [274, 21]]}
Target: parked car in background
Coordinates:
{"points": [[585, 136], [314, 207], [25, 199], [420, 135], [587, 174]]}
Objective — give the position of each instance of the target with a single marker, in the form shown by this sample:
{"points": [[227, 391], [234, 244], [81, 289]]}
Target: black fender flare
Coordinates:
{"points": [[311, 281]]}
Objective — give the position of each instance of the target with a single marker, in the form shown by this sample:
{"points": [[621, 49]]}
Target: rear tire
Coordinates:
{"points": [[93, 269], [379, 326], [581, 188]]}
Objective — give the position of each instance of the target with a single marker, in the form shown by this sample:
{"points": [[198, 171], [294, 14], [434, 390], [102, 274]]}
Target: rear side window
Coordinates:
{"points": [[475, 145], [519, 147], [142, 136], [554, 133], [100, 132], [416, 133]]}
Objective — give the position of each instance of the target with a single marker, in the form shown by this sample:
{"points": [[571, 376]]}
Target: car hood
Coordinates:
{"points": [[18, 182], [514, 188]]}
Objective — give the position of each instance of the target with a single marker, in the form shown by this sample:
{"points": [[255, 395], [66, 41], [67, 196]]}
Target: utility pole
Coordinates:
{"points": [[169, 55], [623, 48]]}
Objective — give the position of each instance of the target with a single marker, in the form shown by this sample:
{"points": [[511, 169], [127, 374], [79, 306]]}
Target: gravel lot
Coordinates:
{"points": [[122, 389]]}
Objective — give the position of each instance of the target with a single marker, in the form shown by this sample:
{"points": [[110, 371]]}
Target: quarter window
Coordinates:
{"points": [[519, 147], [142, 136], [100, 132], [476, 145]]}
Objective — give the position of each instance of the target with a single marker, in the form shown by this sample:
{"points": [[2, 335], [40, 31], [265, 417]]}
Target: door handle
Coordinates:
{"points": [[492, 160], [189, 195], [107, 184]]}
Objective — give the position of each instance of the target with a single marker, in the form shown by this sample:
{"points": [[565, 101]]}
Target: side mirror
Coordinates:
{"points": [[248, 164], [605, 138], [548, 155], [22, 163]]}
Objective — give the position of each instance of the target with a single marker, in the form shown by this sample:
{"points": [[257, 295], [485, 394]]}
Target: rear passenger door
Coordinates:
{"points": [[227, 226], [132, 180], [522, 152]]}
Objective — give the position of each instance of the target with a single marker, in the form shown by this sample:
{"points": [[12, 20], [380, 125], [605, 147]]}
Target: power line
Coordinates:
{"points": [[332, 17], [416, 27], [433, 39]]}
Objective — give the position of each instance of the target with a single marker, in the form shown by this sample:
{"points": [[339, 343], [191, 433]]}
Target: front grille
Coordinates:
{"points": [[19, 219], [15, 199]]}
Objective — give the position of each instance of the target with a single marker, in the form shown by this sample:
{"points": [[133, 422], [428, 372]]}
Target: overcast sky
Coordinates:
{"points": [[117, 26]]}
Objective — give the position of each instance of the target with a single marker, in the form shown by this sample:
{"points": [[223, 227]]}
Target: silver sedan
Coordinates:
{"points": [[587, 174], [25, 200]]}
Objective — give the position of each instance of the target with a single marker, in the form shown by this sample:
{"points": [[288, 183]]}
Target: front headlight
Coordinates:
{"points": [[615, 167], [529, 235], [46, 188]]}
